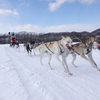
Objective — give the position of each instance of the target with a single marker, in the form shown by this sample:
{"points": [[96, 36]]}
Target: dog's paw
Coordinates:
{"points": [[70, 73], [94, 66], [98, 69], [52, 68]]}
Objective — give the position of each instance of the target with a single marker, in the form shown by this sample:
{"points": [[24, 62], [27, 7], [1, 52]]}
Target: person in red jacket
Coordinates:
{"points": [[13, 38]]}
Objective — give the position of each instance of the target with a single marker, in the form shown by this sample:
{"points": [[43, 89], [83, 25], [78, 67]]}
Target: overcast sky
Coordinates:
{"points": [[49, 15]]}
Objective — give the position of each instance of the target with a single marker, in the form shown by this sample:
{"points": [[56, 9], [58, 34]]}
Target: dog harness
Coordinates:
{"points": [[89, 48], [48, 48], [61, 51]]}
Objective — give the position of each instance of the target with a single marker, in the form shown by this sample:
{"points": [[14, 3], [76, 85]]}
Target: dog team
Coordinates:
{"points": [[63, 48]]}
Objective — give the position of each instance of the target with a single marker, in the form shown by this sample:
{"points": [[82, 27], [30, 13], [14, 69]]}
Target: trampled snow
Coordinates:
{"points": [[22, 77]]}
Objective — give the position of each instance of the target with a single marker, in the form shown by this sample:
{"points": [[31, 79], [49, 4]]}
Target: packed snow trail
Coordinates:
{"points": [[36, 82], [11, 87]]}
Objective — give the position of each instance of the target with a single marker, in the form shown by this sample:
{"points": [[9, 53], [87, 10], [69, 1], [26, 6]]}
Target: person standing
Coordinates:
{"points": [[12, 38]]}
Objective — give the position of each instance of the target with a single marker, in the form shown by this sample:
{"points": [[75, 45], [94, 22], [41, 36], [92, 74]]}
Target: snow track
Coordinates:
{"points": [[31, 81]]}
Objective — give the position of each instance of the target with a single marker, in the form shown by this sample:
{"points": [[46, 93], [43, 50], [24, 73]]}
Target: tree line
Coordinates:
{"points": [[24, 37]]}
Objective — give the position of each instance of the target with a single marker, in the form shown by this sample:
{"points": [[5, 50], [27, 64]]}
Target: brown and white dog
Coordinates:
{"points": [[56, 48], [85, 48]]}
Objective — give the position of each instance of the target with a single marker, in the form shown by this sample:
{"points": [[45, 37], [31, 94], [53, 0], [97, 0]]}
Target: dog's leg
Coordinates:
{"points": [[58, 59], [27, 51], [83, 56], [50, 56], [41, 55], [34, 54], [91, 58], [66, 66], [30, 52], [74, 58], [56, 56], [62, 62]]}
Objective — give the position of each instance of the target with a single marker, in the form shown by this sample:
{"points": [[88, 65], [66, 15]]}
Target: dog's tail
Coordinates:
{"points": [[38, 47]]}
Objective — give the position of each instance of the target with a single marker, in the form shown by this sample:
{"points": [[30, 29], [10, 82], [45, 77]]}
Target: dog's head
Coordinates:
{"points": [[98, 47], [91, 40], [96, 43], [67, 42]]}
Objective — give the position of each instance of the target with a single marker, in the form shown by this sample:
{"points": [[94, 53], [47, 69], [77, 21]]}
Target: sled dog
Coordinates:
{"points": [[17, 45], [85, 48], [28, 47], [56, 48]]}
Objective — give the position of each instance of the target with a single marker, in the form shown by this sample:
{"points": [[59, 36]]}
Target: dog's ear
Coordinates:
{"points": [[97, 39], [63, 37], [91, 39]]}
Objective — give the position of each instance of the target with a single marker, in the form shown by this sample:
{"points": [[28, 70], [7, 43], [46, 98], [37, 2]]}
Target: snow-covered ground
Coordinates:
{"points": [[22, 77]]}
